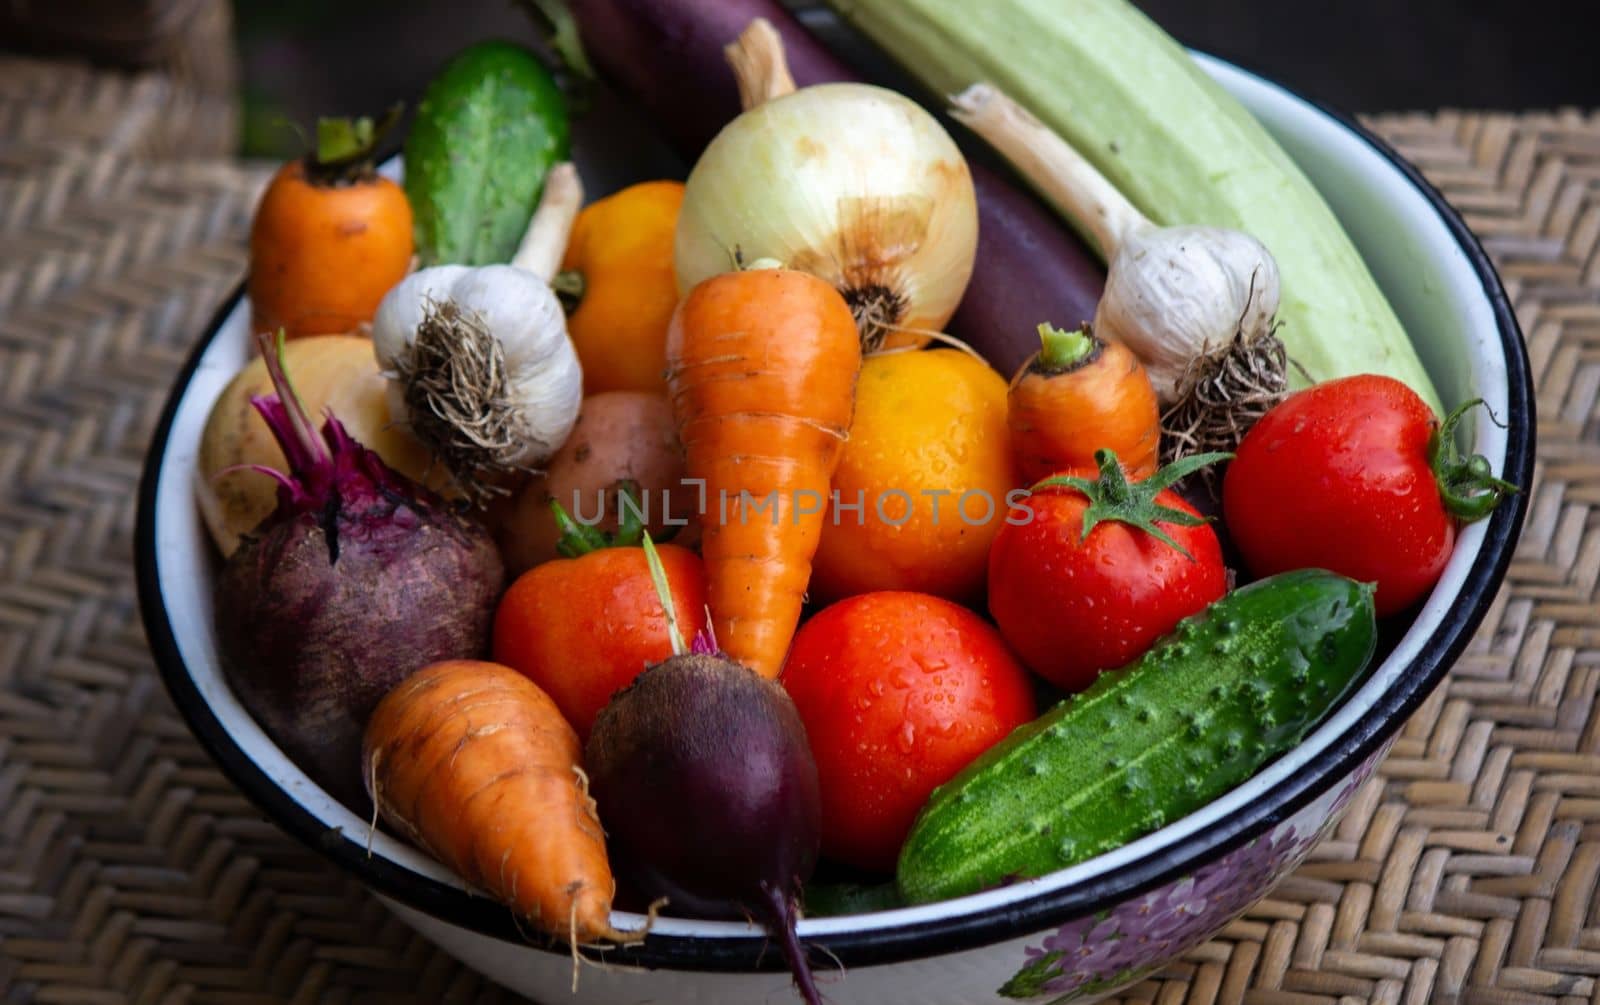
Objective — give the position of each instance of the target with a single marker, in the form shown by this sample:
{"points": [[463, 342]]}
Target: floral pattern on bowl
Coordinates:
{"points": [[1093, 956]]}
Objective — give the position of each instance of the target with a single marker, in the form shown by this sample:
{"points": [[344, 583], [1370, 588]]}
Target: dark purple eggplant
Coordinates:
{"points": [[666, 56], [701, 771]]}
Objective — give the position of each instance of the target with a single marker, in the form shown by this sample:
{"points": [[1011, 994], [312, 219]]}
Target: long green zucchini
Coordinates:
{"points": [[1128, 97], [1232, 688]]}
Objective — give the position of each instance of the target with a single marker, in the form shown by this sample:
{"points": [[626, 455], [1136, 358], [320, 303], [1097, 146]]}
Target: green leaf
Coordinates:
{"points": [[658, 576]]}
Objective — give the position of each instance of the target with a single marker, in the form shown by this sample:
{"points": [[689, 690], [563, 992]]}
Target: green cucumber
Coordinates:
{"points": [[832, 900], [488, 129], [1229, 690], [1130, 99]]}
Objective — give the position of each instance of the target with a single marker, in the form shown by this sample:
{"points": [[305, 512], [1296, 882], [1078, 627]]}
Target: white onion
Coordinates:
{"points": [[853, 183]]}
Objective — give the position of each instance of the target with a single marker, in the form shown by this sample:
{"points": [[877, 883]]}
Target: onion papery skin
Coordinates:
{"points": [[853, 183]]}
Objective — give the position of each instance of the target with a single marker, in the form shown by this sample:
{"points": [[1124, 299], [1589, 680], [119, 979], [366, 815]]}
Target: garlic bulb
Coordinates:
{"points": [[479, 361], [1174, 292], [1174, 295], [853, 183]]}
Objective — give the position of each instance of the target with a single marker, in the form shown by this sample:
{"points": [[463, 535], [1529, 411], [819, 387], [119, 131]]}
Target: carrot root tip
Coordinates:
{"points": [[373, 787]]}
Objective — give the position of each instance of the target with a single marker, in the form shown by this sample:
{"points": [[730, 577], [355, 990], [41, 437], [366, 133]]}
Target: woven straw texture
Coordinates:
{"points": [[132, 872]]}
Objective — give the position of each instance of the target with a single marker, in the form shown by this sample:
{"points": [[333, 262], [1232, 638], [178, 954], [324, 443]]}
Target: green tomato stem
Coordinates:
{"points": [[1467, 485], [579, 539], [1112, 497]]}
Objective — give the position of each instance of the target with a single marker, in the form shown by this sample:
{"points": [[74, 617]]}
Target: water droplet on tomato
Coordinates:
{"points": [[906, 739]]}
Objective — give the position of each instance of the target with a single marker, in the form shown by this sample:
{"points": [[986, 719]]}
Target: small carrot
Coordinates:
{"points": [[761, 369], [474, 763], [330, 235], [1079, 394]]}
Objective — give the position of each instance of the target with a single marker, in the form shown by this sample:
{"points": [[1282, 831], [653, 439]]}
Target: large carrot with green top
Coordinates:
{"points": [[761, 369]]}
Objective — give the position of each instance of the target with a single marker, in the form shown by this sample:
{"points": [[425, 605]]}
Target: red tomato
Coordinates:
{"points": [[583, 628], [898, 691], [1340, 476], [1072, 605]]}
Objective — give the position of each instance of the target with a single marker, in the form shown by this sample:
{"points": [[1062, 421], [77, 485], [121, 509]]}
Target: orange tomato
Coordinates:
{"points": [[621, 247], [584, 628], [323, 255], [929, 460]]}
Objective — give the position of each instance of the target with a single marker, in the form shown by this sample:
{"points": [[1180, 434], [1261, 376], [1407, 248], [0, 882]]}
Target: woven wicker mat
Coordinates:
{"points": [[131, 871]]}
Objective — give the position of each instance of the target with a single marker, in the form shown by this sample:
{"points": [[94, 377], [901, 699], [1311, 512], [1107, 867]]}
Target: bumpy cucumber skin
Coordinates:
{"points": [[1130, 99], [1229, 690], [487, 130]]}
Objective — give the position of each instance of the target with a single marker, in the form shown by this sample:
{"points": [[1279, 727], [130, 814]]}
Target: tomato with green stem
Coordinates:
{"points": [[584, 626], [1101, 568], [1357, 476]]}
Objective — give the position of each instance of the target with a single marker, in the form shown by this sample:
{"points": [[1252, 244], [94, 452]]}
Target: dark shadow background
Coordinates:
{"points": [[305, 57]]}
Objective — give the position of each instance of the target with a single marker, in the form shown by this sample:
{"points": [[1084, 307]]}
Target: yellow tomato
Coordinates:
{"points": [[928, 463], [621, 246]]}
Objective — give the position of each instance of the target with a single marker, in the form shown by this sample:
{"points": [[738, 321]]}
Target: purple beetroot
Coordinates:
{"points": [[701, 771], [358, 578]]}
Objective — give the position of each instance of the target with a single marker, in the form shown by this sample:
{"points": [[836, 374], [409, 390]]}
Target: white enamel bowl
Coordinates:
{"points": [[1070, 935]]}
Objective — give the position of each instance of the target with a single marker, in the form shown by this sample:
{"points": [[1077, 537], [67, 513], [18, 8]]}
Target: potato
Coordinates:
{"points": [[337, 372], [621, 436]]}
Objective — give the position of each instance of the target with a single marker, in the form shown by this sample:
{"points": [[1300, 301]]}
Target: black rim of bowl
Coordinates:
{"points": [[958, 932]]}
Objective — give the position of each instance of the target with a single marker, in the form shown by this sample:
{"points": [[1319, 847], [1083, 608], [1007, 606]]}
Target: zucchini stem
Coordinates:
{"points": [[545, 241], [1051, 165], [759, 65]]}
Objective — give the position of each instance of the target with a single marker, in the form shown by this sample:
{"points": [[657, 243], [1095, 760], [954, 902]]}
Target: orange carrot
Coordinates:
{"points": [[330, 236], [761, 368], [1080, 393], [474, 763]]}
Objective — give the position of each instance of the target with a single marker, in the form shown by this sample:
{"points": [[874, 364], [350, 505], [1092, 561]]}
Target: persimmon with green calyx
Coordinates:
{"points": [[584, 626], [330, 235], [898, 692], [1358, 476], [1100, 567]]}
